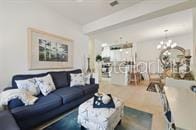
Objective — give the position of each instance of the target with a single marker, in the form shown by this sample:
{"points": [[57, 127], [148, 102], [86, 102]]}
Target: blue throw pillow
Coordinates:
{"points": [[60, 79], [15, 103]]}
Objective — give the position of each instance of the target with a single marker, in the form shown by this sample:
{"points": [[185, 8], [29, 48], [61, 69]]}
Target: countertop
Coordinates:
{"points": [[182, 102]]}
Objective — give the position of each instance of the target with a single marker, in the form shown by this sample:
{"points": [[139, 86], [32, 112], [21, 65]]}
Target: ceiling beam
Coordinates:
{"points": [[138, 13]]}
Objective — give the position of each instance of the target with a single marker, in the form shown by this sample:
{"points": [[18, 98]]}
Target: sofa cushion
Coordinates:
{"points": [[43, 105], [60, 79], [23, 77], [69, 94], [89, 88]]}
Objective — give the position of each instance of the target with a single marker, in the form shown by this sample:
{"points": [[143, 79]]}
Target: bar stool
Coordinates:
{"points": [[134, 78]]}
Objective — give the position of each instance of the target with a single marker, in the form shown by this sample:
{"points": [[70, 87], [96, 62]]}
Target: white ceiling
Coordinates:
{"points": [[178, 23], [86, 11]]}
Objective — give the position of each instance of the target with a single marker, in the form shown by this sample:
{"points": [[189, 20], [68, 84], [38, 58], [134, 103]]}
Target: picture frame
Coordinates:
{"points": [[48, 51]]}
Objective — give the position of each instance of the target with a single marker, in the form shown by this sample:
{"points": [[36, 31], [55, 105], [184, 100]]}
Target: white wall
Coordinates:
{"points": [[147, 51], [98, 47], [14, 21], [194, 41]]}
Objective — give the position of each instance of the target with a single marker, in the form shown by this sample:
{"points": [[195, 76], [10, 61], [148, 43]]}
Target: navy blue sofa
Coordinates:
{"points": [[7, 122], [62, 100]]}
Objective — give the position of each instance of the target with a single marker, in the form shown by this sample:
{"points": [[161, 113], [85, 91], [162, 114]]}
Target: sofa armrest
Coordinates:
{"points": [[95, 85], [14, 102], [96, 77], [1, 108], [8, 88], [92, 80], [7, 121]]}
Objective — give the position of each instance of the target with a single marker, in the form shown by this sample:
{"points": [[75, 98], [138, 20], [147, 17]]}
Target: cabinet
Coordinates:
{"points": [[106, 52], [126, 54], [122, 55]]}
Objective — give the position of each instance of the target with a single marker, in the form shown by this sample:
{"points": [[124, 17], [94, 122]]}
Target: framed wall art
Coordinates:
{"points": [[49, 51]]}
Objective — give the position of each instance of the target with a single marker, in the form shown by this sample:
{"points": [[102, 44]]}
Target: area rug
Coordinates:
{"points": [[132, 120]]}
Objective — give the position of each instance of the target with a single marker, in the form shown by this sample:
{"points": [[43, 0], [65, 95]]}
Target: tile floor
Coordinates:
{"points": [[137, 97]]}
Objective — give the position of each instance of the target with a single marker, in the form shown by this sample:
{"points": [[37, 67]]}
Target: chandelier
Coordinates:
{"points": [[166, 43]]}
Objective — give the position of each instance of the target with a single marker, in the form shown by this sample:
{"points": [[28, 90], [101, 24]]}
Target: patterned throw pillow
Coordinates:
{"points": [[46, 84], [77, 79], [29, 85]]}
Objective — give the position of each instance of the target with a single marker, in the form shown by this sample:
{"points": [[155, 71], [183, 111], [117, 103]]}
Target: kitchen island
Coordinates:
{"points": [[182, 102], [120, 74]]}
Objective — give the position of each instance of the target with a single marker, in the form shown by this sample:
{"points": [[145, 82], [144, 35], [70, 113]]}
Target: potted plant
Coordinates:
{"points": [[98, 58]]}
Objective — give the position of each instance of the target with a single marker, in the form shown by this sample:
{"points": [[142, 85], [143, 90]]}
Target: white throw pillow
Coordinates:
{"points": [[46, 84], [29, 85], [77, 79]]}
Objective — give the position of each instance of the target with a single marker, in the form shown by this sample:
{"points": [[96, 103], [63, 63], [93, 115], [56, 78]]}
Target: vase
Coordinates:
{"points": [[88, 67]]}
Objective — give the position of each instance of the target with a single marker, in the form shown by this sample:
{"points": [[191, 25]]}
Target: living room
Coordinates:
{"points": [[94, 46]]}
